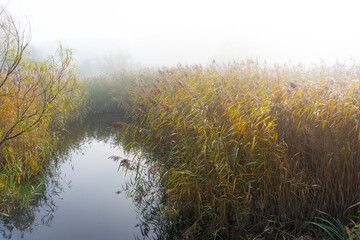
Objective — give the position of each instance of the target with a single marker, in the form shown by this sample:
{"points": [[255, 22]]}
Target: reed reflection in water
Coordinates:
{"points": [[82, 198]]}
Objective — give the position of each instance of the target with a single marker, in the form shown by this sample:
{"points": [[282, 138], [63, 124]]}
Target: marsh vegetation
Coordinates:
{"points": [[242, 150], [251, 149]]}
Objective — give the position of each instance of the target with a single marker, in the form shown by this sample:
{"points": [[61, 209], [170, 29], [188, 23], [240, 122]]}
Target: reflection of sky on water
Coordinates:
{"points": [[88, 207]]}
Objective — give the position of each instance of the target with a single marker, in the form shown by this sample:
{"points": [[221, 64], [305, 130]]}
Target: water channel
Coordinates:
{"points": [[84, 193]]}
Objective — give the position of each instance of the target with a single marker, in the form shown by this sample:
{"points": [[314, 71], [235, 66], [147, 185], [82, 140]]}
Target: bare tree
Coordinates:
{"points": [[31, 91], [12, 45]]}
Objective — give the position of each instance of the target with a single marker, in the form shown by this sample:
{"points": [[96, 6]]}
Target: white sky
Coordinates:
{"points": [[165, 32]]}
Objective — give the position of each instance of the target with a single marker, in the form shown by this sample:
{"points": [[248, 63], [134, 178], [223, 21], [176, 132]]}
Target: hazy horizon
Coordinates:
{"points": [[165, 33]]}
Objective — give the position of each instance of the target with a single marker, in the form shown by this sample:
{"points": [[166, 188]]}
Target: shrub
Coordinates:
{"points": [[35, 96]]}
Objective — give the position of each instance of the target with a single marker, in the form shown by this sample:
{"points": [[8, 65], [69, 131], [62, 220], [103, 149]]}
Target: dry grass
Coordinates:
{"points": [[251, 147]]}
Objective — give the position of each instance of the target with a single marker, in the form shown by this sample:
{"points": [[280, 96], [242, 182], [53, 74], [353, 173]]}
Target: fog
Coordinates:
{"points": [[167, 32]]}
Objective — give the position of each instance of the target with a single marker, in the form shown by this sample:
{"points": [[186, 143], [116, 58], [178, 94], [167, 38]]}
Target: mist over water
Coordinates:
{"points": [[109, 36]]}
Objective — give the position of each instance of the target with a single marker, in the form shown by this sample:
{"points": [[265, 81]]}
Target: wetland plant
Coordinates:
{"points": [[250, 148]]}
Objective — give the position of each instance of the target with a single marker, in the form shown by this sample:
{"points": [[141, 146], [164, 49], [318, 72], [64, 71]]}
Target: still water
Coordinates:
{"points": [[84, 196]]}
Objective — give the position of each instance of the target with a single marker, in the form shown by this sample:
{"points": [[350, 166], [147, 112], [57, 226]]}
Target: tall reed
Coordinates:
{"points": [[107, 93], [250, 147]]}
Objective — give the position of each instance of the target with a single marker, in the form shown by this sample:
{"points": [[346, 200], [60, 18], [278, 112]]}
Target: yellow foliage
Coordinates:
{"points": [[254, 144], [34, 99]]}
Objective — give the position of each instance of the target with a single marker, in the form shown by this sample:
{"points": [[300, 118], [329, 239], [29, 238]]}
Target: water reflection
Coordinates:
{"points": [[148, 191], [82, 197], [26, 220], [150, 204]]}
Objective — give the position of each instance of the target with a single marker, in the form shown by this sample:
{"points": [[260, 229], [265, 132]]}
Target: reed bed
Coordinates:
{"points": [[248, 147], [105, 92]]}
